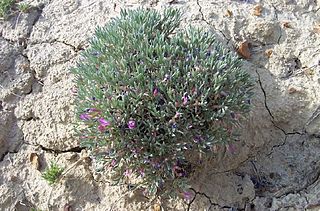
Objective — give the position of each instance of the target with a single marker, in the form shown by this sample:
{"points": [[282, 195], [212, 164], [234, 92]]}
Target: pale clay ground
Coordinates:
{"points": [[275, 167]]}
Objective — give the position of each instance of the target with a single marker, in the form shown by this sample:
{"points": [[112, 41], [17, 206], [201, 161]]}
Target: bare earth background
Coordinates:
{"points": [[276, 166]]}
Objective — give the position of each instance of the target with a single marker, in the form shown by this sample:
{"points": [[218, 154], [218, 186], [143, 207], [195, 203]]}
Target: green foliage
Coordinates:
{"points": [[153, 101], [52, 173], [5, 7], [8, 6], [35, 209], [24, 7]]}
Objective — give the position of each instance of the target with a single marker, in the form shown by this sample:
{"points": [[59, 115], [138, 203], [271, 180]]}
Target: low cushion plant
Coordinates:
{"points": [[153, 101], [5, 7]]}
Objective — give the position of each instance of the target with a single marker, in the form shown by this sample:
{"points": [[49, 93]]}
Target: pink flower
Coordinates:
{"points": [[85, 117], [74, 90], [141, 171], [145, 192], [101, 128], [131, 124], [104, 122], [155, 92], [176, 168], [127, 173], [113, 163], [231, 148], [177, 115], [185, 99]]}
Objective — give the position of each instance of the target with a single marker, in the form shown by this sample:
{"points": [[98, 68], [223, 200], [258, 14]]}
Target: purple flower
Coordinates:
{"points": [[155, 92], [101, 128], [85, 117], [156, 165], [187, 195], [197, 139], [92, 110], [104, 122], [141, 171], [131, 124]]}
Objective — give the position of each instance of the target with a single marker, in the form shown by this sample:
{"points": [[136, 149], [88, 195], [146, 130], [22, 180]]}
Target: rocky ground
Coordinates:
{"points": [[276, 166]]}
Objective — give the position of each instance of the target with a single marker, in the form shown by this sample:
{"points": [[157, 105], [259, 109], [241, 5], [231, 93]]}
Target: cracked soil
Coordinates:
{"points": [[276, 165]]}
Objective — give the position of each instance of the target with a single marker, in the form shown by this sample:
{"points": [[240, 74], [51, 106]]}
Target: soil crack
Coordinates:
{"points": [[77, 149], [74, 48], [270, 113], [208, 23], [14, 151], [209, 199], [39, 10], [264, 95], [311, 179], [277, 18]]}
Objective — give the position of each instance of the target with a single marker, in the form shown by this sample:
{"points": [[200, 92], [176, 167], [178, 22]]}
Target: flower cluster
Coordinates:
{"points": [[159, 100], [94, 115]]}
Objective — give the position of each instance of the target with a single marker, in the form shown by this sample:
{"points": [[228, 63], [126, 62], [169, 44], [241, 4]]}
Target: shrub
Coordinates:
{"points": [[9, 7], [52, 173], [152, 101], [5, 7], [24, 7]]}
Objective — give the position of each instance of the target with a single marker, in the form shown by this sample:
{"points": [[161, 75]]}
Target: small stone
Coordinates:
{"points": [[67, 207], [313, 125], [243, 50], [14, 178], [156, 207], [257, 10], [286, 24], [229, 13], [292, 90], [34, 160], [269, 53], [309, 72], [316, 29]]}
